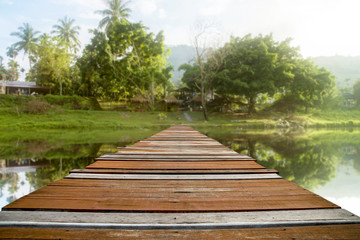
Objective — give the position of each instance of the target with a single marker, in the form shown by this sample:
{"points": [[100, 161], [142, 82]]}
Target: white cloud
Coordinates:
{"points": [[162, 13], [7, 2], [215, 7], [147, 7]]}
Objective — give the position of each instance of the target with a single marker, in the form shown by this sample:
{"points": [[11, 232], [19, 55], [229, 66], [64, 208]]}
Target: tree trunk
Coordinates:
{"points": [[60, 83], [203, 102], [30, 69], [152, 91], [251, 105]]}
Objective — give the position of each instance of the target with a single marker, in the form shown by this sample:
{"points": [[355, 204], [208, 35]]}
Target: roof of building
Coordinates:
{"points": [[171, 99], [139, 98], [20, 84]]}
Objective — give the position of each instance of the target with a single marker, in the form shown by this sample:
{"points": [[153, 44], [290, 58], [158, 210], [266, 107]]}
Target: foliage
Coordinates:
{"points": [[311, 86], [64, 102], [27, 43], [73, 102], [35, 106], [254, 66], [124, 63], [356, 91], [52, 67], [67, 33], [258, 69], [14, 70], [117, 10]]}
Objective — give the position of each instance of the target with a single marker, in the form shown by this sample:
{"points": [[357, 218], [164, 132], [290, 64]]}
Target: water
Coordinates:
{"points": [[325, 162]]}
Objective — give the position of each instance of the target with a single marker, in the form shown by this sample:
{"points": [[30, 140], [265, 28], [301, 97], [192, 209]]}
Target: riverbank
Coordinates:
{"points": [[92, 119], [54, 112]]}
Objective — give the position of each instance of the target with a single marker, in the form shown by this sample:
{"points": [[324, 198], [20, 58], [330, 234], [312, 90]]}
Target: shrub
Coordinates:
{"points": [[37, 107]]}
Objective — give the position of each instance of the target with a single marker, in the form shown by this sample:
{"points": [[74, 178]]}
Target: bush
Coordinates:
{"points": [[73, 102], [37, 107]]}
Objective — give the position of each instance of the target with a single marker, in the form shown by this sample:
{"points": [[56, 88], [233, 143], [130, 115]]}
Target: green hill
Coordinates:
{"points": [[345, 69], [179, 55]]}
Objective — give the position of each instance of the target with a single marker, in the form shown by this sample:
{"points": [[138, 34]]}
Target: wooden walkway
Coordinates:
{"points": [[177, 184]]}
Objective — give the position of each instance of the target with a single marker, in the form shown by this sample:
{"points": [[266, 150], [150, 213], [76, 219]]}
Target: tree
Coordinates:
{"points": [[136, 56], [123, 62], [356, 92], [117, 10], [208, 61], [191, 76], [12, 64], [254, 66], [13, 67], [53, 65], [311, 85], [68, 33], [27, 42], [164, 78], [96, 75]]}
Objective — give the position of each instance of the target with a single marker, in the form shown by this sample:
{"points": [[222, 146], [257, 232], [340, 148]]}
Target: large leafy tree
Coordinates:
{"points": [[96, 75], [67, 32], [27, 43], [254, 66], [125, 61], [53, 65], [311, 85], [117, 10], [137, 56]]}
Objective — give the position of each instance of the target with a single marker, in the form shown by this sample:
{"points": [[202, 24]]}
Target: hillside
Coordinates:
{"points": [[179, 55], [345, 69]]}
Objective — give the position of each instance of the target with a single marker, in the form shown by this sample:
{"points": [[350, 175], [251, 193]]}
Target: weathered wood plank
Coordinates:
{"points": [[188, 156], [206, 165], [172, 176], [157, 171], [170, 196], [350, 231], [236, 218], [177, 179]]}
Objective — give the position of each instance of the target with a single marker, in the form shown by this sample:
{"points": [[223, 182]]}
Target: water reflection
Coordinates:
{"points": [[29, 162], [326, 162]]}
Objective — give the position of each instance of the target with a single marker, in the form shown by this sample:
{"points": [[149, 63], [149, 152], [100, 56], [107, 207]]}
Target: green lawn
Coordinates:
{"points": [[73, 113]]}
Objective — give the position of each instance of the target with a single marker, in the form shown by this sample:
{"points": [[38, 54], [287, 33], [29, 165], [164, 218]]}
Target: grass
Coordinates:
{"points": [[26, 113]]}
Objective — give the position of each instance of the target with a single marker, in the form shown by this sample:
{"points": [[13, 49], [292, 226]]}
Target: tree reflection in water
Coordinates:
{"points": [[309, 159]]}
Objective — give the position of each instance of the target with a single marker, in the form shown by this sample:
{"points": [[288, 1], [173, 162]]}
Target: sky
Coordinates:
{"points": [[318, 27]]}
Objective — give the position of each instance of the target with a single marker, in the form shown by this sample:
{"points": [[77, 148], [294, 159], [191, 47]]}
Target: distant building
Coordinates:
{"points": [[348, 100], [22, 88]]}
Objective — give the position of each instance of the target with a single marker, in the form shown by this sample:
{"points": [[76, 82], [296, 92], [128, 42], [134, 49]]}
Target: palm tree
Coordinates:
{"points": [[117, 10], [68, 33], [27, 41], [12, 52]]}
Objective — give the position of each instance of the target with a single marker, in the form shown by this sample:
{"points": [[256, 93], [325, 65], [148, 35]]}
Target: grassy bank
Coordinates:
{"points": [[18, 113]]}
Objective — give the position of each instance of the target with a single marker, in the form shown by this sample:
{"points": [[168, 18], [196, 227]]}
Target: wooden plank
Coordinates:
{"points": [[240, 219], [158, 171], [188, 156], [173, 153], [206, 165], [172, 176], [196, 183], [349, 231], [170, 196], [164, 159]]}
